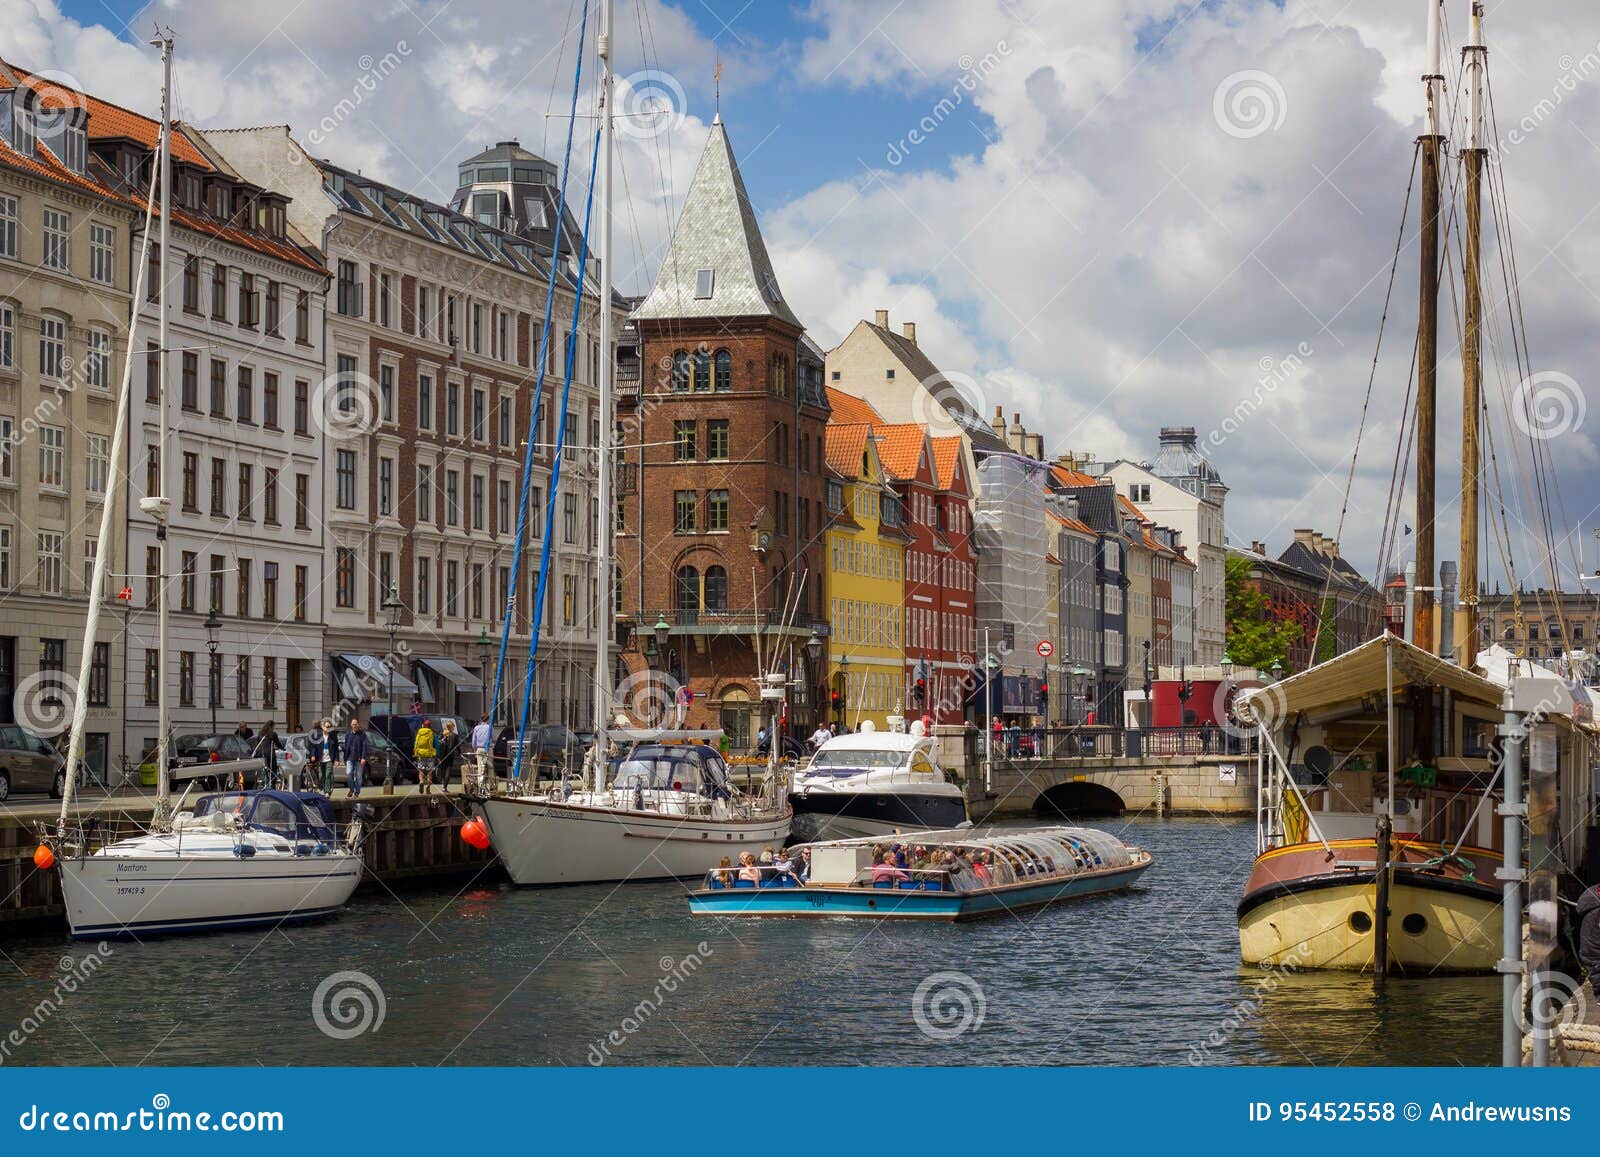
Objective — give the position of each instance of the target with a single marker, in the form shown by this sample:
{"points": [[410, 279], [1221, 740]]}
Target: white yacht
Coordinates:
{"points": [[871, 783], [238, 859], [662, 810]]}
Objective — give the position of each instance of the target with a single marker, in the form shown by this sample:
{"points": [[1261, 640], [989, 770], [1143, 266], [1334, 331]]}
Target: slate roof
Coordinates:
{"points": [[717, 230]]}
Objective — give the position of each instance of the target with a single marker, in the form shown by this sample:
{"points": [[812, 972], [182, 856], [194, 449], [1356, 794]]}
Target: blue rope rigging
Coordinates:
{"points": [[514, 582]]}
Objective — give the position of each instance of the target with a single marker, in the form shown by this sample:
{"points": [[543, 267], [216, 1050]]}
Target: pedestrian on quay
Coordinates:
{"points": [[449, 753], [267, 748], [820, 736], [424, 752], [243, 731], [355, 759], [311, 774], [327, 749]]}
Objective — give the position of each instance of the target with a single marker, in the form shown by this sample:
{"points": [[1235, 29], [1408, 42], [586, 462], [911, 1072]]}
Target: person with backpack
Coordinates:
{"points": [[449, 753], [424, 753]]}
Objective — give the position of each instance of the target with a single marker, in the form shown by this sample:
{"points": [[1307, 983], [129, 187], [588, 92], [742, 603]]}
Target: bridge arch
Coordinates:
{"points": [[1078, 798]]}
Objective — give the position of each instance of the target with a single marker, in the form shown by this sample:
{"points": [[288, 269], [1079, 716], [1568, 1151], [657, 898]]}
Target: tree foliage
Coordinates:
{"points": [[1256, 637]]}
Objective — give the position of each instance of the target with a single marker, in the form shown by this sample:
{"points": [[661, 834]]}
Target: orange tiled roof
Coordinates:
{"points": [[1071, 523], [1073, 477], [848, 408], [900, 449], [846, 443], [946, 456], [109, 121], [1130, 508], [1155, 544], [51, 167]]}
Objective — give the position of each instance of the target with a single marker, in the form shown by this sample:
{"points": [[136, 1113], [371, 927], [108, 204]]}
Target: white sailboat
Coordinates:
{"points": [[667, 808], [239, 858]]}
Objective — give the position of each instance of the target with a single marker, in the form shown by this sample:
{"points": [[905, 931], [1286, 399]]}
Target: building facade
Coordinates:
{"points": [[65, 270], [722, 503]]}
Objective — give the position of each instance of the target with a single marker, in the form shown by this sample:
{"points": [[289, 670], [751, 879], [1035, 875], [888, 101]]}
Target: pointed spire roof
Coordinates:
{"points": [[717, 231]]}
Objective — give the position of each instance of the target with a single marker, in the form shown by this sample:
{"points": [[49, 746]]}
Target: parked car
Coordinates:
{"points": [[549, 747], [30, 763], [209, 760], [401, 733]]}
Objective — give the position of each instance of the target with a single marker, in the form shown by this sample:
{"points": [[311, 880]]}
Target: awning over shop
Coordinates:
{"points": [[368, 677], [449, 672]]}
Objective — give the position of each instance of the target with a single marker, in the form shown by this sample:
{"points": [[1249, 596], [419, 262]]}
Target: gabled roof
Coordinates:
{"points": [[1072, 523], [947, 460], [846, 443], [849, 408], [717, 230], [107, 121], [1066, 477], [903, 450]]}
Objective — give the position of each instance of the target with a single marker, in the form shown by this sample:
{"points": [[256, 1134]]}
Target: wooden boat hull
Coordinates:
{"points": [[897, 904], [1303, 910]]}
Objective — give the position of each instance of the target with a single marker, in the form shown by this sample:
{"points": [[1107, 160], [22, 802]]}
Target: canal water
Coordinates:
{"points": [[486, 974]]}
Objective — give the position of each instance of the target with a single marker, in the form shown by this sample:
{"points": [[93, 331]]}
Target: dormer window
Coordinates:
{"points": [[23, 129], [703, 281], [75, 148]]}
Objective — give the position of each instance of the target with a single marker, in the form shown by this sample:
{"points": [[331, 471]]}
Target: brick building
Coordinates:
{"points": [[721, 493]]}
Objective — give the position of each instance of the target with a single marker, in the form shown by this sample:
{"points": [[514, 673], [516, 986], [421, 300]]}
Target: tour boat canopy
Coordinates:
{"points": [[1054, 847]]}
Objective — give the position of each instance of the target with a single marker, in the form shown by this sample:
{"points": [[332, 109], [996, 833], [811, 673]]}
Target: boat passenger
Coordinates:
{"points": [[803, 868], [783, 867], [888, 872], [766, 855], [900, 860], [747, 868], [725, 873]]}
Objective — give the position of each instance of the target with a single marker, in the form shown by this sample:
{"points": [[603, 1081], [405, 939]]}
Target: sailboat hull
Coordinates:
{"points": [[1304, 911], [544, 842], [123, 896]]}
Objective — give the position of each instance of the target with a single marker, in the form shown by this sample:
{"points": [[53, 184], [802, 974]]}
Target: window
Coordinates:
{"points": [[385, 485], [269, 681], [97, 359], [422, 311], [191, 382], [680, 372], [477, 590], [478, 514], [348, 299], [480, 416], [302, 407], [219, 567], [503, 506], [716, 510], [8, 333], [504, 424], [8, 227], [219, 291], [246, 485], [385, 573], [274, 308], [717, 440], [51, 570], [214, 680], [386, 393], [684, 513], [152, 575], [246, 402], [722, 372], [246, 569], [345, 480], [424, 492], [424, 586], [569, 518], [5, 558], [269, 496], [53, 457], [152, 677], [91, 549], [219, 482], [191, 283], [100, 676], [452, 588], [716, 591], [269, 400], [241, 681], [1139, 492], [187, 570], [452, 409], [302, 318], [219, 389], [344, 576], [569, 600], [52, 347], [683, 441], [686, 589], [452, 497], [702, 371], [102, 254], [383, 300], [269, 590], [704, 279], [57, 236], [191, 481], [97, 462], [424, 402], [8, 449]]}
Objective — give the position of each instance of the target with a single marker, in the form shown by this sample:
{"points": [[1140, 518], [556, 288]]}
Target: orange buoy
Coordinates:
{"points": [[475, 833], [43, 858]]}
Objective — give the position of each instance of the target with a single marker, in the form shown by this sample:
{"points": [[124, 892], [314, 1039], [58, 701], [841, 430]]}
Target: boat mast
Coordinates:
{"points": [[607, 519], [1475, 60], [1428, 333], [164, 506]]}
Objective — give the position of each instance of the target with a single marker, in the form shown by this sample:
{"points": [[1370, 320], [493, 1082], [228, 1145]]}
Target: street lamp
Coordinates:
{"points": [[213, 627], [1149, 715], [661, 633], [1227, 667], [813, 648], [484, 643], [1277, 670], [391, 605]]}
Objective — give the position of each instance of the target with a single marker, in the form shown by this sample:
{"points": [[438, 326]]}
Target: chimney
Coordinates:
{"points": [[1306, 537], [998, 423], [1258, 546], [1035, 445], [881, 319], [908, 330], [1017, 437], [1072, 506]]}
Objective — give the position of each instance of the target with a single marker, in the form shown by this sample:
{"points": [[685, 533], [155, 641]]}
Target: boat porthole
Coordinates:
{"points": [[1360, 922], [872, 903], [1415, 924]]}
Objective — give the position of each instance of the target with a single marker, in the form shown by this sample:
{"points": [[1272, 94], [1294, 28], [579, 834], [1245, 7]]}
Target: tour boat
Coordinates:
{"points": [[962, 875], [665, 804], [869, 783], [238, 859]]}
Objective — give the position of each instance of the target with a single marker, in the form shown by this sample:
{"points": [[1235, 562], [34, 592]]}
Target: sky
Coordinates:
{"points": [[1104, 216]]}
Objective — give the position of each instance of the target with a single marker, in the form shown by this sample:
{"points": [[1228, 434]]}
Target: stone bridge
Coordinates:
{"points": [[1097, 786]]}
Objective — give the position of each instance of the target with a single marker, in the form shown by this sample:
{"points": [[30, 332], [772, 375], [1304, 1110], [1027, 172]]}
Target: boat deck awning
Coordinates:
{"points": [[368, 677], [451, 672], [1360, 674]]}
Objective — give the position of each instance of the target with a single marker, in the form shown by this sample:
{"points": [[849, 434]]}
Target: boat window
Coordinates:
{"points": [[846, 758], [920, 764], [228, 804], [274, 815]]}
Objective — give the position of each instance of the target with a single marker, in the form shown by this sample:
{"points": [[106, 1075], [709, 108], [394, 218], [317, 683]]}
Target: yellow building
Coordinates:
{"points": [[866, 551]]}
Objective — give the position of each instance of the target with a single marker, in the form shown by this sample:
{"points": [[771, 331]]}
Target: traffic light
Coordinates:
{"points": [[1044, 692], [919, 693], [838, 704]]}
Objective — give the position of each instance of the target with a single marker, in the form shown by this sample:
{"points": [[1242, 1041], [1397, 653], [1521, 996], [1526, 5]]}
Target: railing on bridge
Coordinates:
{"points": [[1085, 742]]}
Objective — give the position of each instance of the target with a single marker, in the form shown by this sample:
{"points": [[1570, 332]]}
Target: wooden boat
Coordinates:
{"points": [[960, 875]]}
